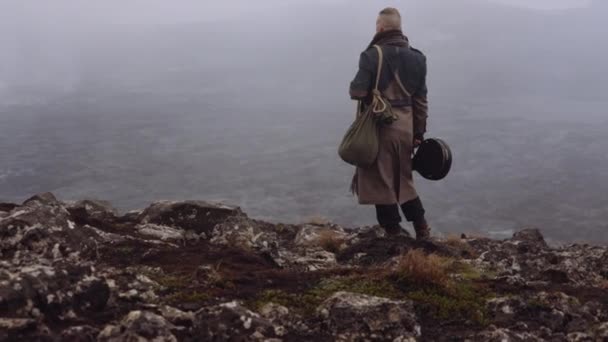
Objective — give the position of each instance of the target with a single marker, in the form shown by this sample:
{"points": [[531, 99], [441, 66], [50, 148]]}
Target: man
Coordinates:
{"points": [[388, 184]]}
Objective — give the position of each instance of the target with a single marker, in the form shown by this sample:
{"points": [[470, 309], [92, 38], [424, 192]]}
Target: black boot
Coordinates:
{"points": [[395, 230], [414, 212], [389, 218], [423, 230]]}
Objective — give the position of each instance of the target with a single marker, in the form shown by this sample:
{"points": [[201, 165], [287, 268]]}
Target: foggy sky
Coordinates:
{"points": [[58, 42]]}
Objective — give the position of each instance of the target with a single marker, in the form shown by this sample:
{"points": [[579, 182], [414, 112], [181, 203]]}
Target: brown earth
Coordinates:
{"points": [[198, 271]]}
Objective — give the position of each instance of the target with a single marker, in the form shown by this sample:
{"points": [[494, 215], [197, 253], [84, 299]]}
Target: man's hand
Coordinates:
{"points": [[418, 139]]}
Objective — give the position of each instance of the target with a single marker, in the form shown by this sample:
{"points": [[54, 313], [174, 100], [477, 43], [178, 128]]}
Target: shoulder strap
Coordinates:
{"points": [[398, 79], [396, 73], [380, 60]]}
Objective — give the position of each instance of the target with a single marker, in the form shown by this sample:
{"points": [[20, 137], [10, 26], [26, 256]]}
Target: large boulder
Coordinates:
{"points": [[91, 210], [529, 239], [197, 216], [231, 321], [23, 329], [555, 312], [56, 291], [601, 332], [42, 209], [139, 326], [80, 333], [42, 227], [527, 259], [349, 316]]}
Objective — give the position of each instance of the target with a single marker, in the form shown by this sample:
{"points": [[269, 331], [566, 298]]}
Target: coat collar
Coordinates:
{"points": [[392, 37]]}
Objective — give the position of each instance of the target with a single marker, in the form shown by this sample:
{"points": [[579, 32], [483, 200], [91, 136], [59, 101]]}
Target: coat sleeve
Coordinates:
{"points": [[361, 86], [420, 106]]}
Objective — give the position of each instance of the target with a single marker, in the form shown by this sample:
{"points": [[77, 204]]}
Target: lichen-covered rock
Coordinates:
{"points": [[54, 292], [12, 329], [163, 233], [80, 333], [350, 316], [91, 293], [494, 334], [176, 316], [93, 209], [79, 271], [139, 326], [555, 311], [43, 228], [231, 321], [579, 337], [530, 238], [309, 259], [244, 233], [314, 235], [274, 312], [601, 332], [527, 257], [197, 216]]}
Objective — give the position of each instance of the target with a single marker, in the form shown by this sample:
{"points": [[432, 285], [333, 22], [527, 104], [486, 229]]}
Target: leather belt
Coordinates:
{"points": [[401, 103]]}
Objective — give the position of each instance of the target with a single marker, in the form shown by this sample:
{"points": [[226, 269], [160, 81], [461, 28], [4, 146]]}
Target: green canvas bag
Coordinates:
{"points": [[359, 146]]}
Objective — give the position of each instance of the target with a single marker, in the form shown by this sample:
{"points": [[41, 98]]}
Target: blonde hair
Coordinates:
{"points": [[391, 18]]}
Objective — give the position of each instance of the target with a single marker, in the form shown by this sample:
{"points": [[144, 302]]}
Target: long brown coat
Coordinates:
{"points": [[389, 180]]}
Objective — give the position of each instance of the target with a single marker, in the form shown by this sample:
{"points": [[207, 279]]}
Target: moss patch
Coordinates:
{"points": [[187, 297], [457, 297], [177, 288], [459, 302], [306, 302], [171, 281]]}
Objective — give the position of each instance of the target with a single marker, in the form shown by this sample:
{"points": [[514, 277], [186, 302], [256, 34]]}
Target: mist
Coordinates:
{"points": [[246, 102]]}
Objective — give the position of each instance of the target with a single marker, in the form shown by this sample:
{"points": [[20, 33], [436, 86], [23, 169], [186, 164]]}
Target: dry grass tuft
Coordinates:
{"points": [[459, 244], [330, 241], [422, 269], [453, 240]]}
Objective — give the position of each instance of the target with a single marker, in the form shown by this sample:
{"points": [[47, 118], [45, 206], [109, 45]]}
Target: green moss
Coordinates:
{"points": [[170, 281], [176, 288], [124, 250], [187, 297], [465, 271], [459, 301], [535, 304], [307, 302], [462, 300]]}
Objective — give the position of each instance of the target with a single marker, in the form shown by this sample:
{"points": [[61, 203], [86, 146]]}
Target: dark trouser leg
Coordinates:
{"points": [[414, 212], [388, 215], [389, 218]]}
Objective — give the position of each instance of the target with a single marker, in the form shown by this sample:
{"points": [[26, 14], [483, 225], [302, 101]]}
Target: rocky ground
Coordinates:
{"points": [[196, 271]]}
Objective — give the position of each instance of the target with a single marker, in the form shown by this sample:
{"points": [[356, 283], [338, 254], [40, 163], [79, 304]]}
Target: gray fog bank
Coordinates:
{"points": [[135, 101]]}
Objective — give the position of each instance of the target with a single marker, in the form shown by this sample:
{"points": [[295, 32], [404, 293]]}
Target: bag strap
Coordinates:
{"points": [[380, 60], [396, 73], [376, 92], [398, 79], [378, 103]]}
